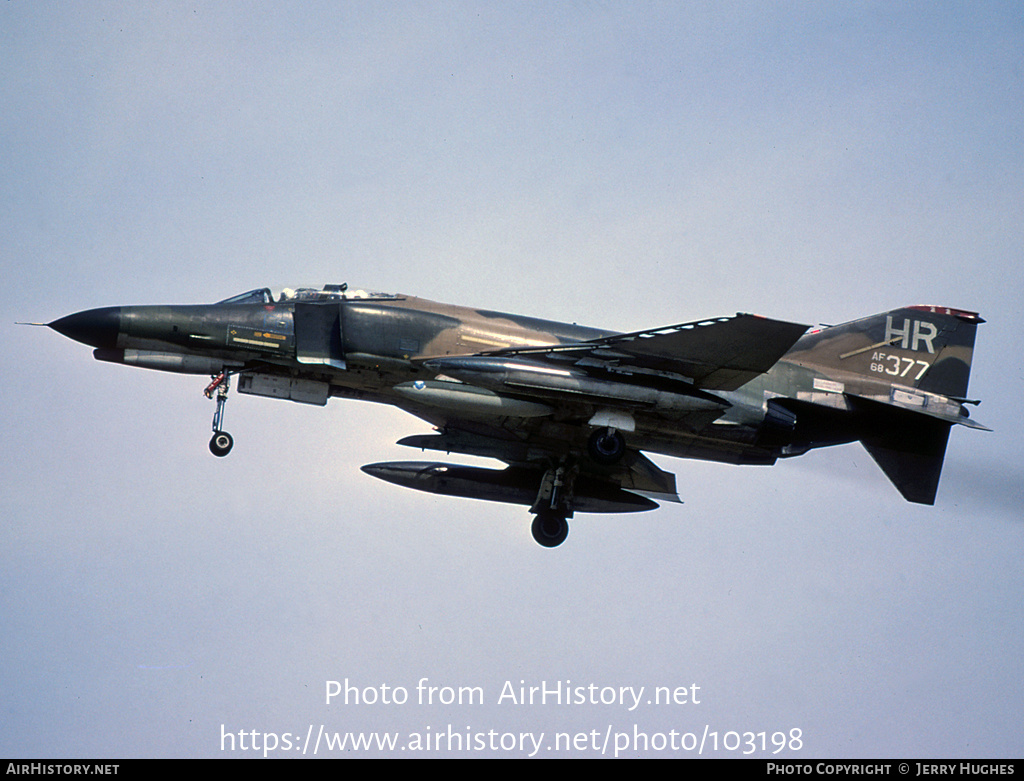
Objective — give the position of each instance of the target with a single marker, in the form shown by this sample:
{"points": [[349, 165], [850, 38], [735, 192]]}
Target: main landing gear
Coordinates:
{"points": [[553, 506], [555, 498], [550, 528], [221, 443]]}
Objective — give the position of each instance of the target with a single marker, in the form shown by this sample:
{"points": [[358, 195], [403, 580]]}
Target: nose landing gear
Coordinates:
{"points": [[222, 442]]}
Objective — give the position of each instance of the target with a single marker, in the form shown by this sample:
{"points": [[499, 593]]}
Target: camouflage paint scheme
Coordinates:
{"points": [[570, 409]]}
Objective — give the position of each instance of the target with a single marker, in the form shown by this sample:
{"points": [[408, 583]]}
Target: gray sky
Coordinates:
{"points": [[621, 165]]}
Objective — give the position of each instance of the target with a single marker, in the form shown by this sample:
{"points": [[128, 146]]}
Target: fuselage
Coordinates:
{"points": [[571, 409], [313, 344], [376, 343]]}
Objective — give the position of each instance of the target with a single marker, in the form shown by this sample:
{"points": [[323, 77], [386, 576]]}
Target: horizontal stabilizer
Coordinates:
{"points": [[916, 402], [908, 446]]}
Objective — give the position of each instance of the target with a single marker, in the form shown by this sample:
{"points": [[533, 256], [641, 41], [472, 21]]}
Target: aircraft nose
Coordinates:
{"points": [[94, 327]]}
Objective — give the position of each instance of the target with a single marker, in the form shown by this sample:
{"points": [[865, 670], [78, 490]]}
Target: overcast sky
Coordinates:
{"points": [[620, 165]]}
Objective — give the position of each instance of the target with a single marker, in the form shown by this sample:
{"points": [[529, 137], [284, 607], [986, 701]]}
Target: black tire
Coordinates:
{"points": [[606, 446], [221, 443], [550, 529]]}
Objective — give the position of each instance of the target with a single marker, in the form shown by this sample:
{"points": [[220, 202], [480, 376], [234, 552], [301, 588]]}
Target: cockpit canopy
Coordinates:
{"points": [[265, 295]]}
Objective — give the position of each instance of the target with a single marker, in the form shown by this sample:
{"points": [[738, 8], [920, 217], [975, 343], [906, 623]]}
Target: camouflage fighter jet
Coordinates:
{"points": [[569, 409]]}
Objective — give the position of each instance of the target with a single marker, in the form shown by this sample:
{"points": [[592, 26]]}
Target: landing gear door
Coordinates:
{"points": [[318, 334]]}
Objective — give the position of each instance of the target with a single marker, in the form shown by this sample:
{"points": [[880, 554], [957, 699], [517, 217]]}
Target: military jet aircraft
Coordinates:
{"points": [[569, 409]]}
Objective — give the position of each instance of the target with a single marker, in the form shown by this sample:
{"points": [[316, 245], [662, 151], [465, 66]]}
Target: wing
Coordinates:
{"points": [[719, 354], [538, 405]]}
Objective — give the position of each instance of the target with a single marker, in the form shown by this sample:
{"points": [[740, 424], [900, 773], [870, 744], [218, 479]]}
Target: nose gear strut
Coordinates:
{"points": [[221, 443]]}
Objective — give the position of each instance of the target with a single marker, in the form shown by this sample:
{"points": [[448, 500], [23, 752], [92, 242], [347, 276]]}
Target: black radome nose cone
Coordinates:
{"points": [[94, 327]]}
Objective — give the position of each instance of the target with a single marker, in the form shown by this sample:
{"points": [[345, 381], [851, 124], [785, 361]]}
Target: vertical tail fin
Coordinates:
{"points": [[903, 375], [924, 347]]}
